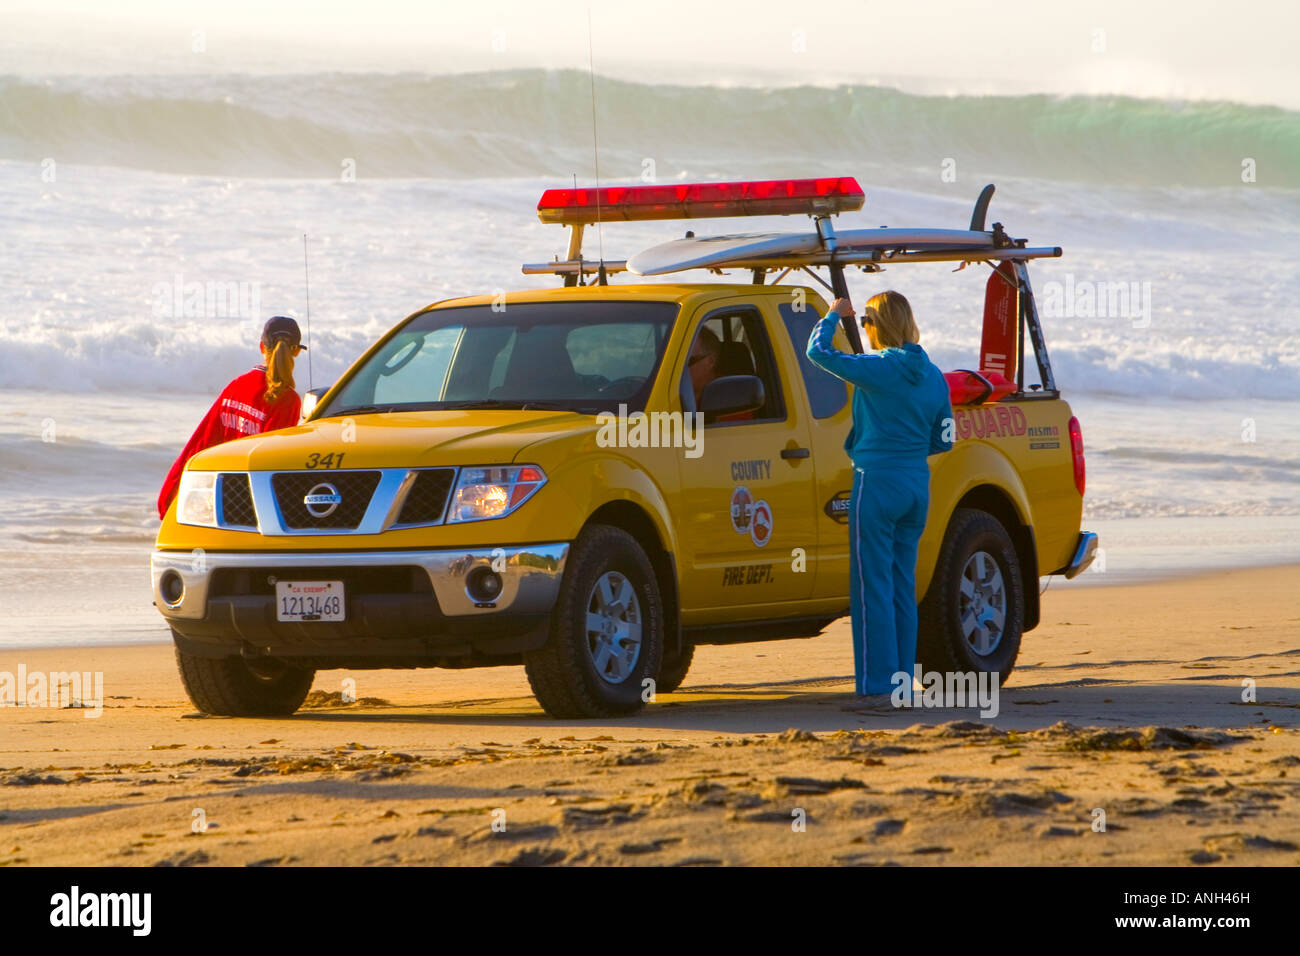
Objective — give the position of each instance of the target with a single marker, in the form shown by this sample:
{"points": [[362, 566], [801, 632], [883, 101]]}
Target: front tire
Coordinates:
{"points": [[230, 687], [606, 630], [673, 670], [973, 614]]}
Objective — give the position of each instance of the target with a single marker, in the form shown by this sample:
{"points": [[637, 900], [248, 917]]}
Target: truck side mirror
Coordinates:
{"points": [[310, 399], [731, 394]]}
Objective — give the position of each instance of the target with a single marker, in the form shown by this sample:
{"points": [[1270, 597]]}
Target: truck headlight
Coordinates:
{"points": [[493, 492], [196, 502]]}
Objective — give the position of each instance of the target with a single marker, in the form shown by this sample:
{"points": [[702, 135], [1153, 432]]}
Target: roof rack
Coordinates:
{"points": [[867, 249]]}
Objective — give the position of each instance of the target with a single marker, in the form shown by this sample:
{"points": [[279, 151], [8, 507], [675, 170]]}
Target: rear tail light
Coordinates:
{"points": [[1076, 453]]}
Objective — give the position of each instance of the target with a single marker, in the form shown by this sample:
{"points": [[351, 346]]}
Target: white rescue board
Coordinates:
{"points": [[717, 252]]}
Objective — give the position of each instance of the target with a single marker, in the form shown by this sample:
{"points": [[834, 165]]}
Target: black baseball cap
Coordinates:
{"points": [[282, 327]]}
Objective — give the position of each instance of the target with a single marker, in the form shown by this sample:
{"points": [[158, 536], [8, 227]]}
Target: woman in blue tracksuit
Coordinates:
{"points": [[901, 414]]}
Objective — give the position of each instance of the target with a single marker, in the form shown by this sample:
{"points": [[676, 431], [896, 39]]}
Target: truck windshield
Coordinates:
{"points": [[587, 357]]}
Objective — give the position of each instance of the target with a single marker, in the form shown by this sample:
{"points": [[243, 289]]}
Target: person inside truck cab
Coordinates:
{"points": [[901, 410], [260, 400], [711, 358], [703, 361]]}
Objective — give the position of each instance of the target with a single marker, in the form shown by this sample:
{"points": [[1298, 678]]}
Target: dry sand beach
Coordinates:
{"points": [[1128, 699]]}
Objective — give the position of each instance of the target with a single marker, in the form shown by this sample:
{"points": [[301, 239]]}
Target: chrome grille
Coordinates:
{"points": [[427, 499], [355, 488], [237, 502]]}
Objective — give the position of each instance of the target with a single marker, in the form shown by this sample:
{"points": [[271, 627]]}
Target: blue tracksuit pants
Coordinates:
{"points": [[887, 515]]}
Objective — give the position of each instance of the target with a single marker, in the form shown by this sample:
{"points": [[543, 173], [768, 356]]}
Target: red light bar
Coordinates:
{"points": [[772, 197]]}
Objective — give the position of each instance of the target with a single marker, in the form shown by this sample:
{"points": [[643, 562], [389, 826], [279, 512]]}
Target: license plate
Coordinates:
{"points": [[309, 600]]}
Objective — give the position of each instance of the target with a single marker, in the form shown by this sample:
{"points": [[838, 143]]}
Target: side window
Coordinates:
{"points": [[733, 342], [826, 393]]}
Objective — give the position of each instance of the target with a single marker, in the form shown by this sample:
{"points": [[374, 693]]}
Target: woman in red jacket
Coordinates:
{"points": [[261, 400]]}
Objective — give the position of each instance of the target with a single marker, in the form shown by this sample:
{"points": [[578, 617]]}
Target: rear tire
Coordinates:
{"points": [[229, 687], [973, 614], [607, 630]]}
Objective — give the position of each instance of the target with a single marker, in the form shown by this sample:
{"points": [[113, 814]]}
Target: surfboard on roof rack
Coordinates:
{"points": [[783, 249]]}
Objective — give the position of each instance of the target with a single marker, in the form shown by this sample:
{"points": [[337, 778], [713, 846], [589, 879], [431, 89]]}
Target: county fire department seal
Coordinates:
{"points": [[760, 528], [742, 510]]}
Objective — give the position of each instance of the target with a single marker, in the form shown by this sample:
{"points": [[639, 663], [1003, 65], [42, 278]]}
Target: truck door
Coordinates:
{"points": [[749, 495], [828, 400]]}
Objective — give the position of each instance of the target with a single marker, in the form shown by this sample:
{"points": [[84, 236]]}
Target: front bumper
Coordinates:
{"points": [[401, 607]]}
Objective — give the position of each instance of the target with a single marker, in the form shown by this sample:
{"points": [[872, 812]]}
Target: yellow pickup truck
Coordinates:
{"points": [[542, 478]]}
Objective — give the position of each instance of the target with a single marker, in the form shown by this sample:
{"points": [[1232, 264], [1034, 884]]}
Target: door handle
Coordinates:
{"points": [[788, 453]]}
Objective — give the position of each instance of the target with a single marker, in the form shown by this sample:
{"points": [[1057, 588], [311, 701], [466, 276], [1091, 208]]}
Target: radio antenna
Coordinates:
{"points": [[306, 285], [601, 278]]}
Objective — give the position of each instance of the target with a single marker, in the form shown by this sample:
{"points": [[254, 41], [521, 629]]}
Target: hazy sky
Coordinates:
{"points": [[1191, 49]]}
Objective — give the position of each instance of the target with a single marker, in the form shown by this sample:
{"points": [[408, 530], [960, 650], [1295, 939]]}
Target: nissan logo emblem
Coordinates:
{"points": [[322, 500]]}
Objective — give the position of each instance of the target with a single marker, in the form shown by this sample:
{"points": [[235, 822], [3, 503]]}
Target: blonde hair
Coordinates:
{"points": [[279, 369], [892, 317]]}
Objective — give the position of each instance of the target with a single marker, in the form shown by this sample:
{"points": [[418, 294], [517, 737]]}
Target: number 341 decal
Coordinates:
{"points": [[317, 460]]}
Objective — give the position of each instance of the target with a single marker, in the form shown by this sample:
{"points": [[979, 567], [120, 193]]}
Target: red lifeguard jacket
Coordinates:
{"points": [[241, 409]]}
